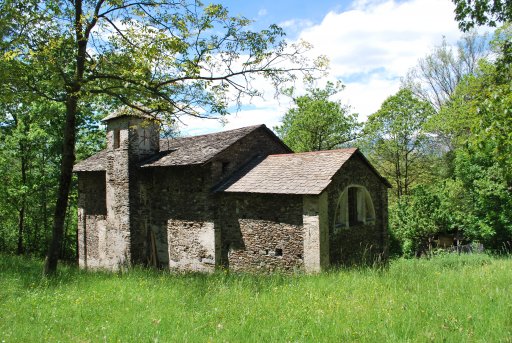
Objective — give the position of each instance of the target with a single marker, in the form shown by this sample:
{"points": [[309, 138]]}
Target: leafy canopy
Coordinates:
{"points": [[395, 138], [471, 13], [317, 123], [159, 57]]}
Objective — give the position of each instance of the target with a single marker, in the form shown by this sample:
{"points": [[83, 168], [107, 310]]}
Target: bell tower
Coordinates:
{"points": [[131, 138]]}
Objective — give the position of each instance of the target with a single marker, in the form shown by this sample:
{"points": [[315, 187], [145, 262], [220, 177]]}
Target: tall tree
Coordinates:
{"points": [[395, 139], [436, 76], [476, 198], [478, 113], [158, 57], [317, 123]]}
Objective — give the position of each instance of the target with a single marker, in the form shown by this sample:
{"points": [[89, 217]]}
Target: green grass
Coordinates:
{"points": [[449, 298]]}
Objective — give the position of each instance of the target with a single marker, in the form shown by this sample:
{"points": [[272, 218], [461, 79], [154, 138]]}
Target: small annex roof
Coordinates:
{"points": [[96, 162], [182, 151], [299, 173]]}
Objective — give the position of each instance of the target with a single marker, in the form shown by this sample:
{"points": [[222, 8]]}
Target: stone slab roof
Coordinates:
{"points": [[127, 112], [196, 149], [179, 151], [96, 162], [299, 173]]}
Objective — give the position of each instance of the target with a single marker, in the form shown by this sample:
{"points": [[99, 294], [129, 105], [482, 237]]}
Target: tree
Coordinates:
{"points": [[436, 76], [158, 57], [415, 219], [395, 139], [478, 113], [471, 13], [317, 123], [477, 117]]}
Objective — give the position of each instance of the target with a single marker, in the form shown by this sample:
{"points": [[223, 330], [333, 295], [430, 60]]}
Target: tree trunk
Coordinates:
{"points": [[21, 211], [66, 171], [21, 223], [68, 151]]}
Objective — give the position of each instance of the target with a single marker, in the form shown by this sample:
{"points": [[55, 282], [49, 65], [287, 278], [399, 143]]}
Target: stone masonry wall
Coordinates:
{"points": [[316, 232], [166, 216], [181, 218], [179, 203], [261, 232], [92, 213], [192, 245], [362, 244]]}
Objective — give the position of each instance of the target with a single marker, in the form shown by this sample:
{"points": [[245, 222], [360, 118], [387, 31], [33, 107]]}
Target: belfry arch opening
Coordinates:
{"points": [[355, 207]]}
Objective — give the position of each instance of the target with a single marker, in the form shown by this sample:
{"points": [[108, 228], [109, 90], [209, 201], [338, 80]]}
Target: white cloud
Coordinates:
{"points": [[370, 47], [293, 25], [262, 12], [374, 43]]}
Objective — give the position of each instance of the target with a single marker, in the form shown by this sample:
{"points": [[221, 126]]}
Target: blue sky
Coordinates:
{"points": [[266, 12], [371, 44]]}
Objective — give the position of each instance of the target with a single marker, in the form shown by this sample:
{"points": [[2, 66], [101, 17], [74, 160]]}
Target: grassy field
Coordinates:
{"points": [[448, 298]]}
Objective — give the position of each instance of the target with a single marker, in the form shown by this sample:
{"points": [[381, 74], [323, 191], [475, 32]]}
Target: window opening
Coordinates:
{"points": [[145, 139], [279, 252], [355, 207], [352, 206], [117, 138], [225, 166]]}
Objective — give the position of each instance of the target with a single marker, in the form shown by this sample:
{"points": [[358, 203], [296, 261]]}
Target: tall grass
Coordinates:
{"points": [[448, 298]]}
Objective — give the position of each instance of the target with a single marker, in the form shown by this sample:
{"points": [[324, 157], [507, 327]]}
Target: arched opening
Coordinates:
{"points": [[355, 207]]}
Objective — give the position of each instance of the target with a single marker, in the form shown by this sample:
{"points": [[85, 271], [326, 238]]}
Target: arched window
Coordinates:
{"points": [[355, 207]]}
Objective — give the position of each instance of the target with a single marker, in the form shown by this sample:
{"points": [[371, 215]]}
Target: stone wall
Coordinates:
{"points": [[180, 216], [362, 243], [180, 206], [169, 217], [261, 232], [92, 214], [316, 232], [192, 245]]}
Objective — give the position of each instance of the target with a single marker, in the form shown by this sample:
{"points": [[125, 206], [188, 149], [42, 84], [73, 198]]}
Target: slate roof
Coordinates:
{"points": [[94, 163], [299, 173], [180, 151], [197, 149], [127, 112]]}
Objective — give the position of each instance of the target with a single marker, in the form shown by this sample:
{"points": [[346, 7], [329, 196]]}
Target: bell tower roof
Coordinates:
{"points": [[128, 112]]}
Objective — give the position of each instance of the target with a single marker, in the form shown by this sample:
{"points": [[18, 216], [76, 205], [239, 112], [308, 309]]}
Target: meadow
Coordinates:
{"points": [[449, 298]]}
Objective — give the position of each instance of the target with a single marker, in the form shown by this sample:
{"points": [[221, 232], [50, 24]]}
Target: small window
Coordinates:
{"points": [[117, 138], [279, 252], [225, 166]]}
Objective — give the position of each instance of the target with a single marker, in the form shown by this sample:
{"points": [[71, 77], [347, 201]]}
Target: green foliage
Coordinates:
{"points": [[415, 218], [473, 193], [395, 139], [471, 13], [487, 198], [448, 298], [30, 151], [317, 123], [167, 58]]}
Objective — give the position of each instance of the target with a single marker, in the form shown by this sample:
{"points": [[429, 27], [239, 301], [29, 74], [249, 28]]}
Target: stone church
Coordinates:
{"points": [[238, 199]]}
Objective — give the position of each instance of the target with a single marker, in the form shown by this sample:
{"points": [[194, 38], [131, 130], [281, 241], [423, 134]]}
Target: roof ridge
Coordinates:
{"points": [[353, 150], [251, 127]]}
